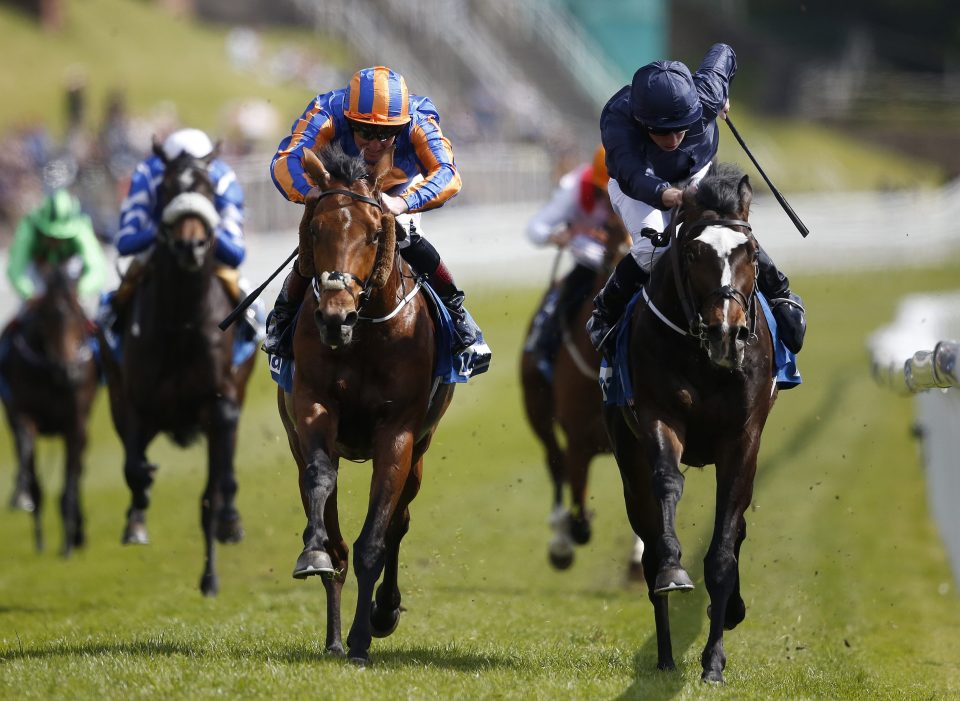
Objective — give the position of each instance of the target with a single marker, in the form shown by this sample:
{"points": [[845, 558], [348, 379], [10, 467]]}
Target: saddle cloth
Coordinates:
{"points": [[617, 387]]}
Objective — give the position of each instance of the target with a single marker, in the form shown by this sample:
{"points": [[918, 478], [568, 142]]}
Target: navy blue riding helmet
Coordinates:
{"points": [[663, 96]]}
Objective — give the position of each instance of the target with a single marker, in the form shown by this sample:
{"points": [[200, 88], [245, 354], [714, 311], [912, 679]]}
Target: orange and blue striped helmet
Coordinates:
{"points": [[377, 95]]}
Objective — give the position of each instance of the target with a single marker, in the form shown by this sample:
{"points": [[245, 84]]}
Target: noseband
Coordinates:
{"points": [[339, 280], [695, 325]]}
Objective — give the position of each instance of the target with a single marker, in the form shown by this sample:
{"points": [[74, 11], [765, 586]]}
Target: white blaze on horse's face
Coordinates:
{"points": [[724, 241]]}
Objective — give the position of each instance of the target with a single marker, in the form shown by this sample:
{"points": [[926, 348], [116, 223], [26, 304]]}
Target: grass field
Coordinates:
{"points": [[848, 591]]}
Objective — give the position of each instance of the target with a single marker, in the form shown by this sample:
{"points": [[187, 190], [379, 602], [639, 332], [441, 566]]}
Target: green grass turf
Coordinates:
{"points": [[848, 592]]}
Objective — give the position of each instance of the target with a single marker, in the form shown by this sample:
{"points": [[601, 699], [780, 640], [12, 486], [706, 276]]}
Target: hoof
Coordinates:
{"points": [[672, 579], [561, 560], [209, 585], [580, 530], [21, 501], [380, 628], [230, 529], [359, 659], [335, 650], [135, 534], [312, 562], [712, 676]]}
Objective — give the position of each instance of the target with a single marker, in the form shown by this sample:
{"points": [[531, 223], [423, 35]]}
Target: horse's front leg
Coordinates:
{"points": [[218, 517], [138, 474], [27, 493], [318, 481], [665, 449], [333, 582], [393, 453], [735, 476], [70, 509]]}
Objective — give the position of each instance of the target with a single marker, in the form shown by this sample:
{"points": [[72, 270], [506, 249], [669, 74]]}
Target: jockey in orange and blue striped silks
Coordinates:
{"points": [[371, 116], [378, 97]]}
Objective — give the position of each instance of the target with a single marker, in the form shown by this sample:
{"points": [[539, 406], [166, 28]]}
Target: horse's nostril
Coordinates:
{"points": [[743, 333], [351, 319]]}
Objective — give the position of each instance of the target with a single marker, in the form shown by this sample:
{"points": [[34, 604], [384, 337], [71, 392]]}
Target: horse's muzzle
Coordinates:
{"points": [[726, 344], [336, 325]]}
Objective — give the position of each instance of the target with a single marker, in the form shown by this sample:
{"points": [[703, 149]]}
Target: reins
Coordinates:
{"points": [[678, 232]]}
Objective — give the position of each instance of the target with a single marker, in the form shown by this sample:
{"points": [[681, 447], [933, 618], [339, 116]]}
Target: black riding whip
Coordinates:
{"points": [[249, 299], [801, 227]]}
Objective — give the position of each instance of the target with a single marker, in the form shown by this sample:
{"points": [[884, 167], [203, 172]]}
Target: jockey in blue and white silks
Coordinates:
{"points": [[140, 218], [139, 214], [376, 117], [661, 136]]}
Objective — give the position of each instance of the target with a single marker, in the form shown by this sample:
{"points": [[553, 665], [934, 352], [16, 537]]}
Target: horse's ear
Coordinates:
{"points": [[746, 194], [388, 247], [157, 148], [305, 256], [382, 169], [315, 169]]}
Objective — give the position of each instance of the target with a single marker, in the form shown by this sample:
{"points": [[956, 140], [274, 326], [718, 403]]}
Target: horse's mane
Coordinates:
{"points": [[720, 189], [341, 165]]}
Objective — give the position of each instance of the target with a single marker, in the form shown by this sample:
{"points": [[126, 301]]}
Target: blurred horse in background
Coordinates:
{"points": [[48, 381], [568, 399], [176, 373], [701, 364], [363, 389]]}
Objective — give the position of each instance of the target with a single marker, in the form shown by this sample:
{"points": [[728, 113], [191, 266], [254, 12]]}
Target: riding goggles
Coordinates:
{"points": [[375, 132], [659, 131]]}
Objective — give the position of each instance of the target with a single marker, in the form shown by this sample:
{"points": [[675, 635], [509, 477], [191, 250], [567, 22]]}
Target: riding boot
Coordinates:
{"points": [[574, 288], [284, 310], [786, 306], [425, 260], [608, 306]]}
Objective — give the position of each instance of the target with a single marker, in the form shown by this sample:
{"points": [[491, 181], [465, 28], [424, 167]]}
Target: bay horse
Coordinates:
{"points": [[701, 363], [176, 374], [48, 379], [570, 403], [363, 389]]}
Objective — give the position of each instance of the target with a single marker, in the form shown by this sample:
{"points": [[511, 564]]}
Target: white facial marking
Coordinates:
{"points": [[723, 240]]}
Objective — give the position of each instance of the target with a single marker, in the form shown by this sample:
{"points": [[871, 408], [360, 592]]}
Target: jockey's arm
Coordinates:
{"points": [[231, 249], [441, 179], [94, 275], [552, 220], [314, 129], [20, 255], [138, 230]]}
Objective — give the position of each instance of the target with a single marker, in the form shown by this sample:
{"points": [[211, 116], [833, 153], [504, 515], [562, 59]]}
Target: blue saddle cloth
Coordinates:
{"points": [[245, 340], [615, 381], [450, 367]]}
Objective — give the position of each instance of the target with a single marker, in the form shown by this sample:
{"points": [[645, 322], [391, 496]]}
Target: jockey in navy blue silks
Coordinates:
{"points": [[661, 135]]}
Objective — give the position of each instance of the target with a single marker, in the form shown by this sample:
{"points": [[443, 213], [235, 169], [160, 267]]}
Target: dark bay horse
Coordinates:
{"points": [[49, 381], [570, 402], [702, 367], [176, 374], [363, 390]]}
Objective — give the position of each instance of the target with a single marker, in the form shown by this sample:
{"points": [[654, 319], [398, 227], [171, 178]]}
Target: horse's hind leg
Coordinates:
{"points": [[721, 569], [70, 509], [385, 614], [579, 456], [538, 403]]}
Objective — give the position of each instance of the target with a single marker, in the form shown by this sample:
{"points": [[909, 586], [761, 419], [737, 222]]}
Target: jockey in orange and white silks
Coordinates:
{"points": [[575, 214], [372, 117]]}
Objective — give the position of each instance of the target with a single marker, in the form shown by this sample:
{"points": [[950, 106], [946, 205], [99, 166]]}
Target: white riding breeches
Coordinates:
{"points": [[410, 224], [637, 215]]}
